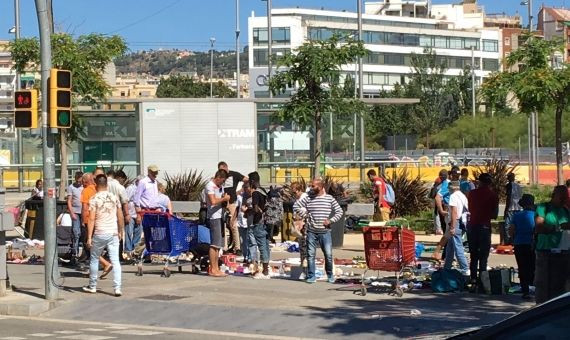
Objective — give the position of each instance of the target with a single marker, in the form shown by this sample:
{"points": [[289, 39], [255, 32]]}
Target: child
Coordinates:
{"points": [[522, 229], [242, 206]]}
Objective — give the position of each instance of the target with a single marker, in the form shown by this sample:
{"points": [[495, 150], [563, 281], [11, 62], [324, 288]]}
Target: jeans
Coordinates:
{"points": [[260, 231], [251, 245], [244, 241], [552, 275], [325, 242], [454, 248], [98, 244], [76, 229], [525, 262], [479, 240], [132, 235]]}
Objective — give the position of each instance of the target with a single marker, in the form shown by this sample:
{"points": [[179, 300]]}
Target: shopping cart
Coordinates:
{"points": [[167, 235], [388, 248]]}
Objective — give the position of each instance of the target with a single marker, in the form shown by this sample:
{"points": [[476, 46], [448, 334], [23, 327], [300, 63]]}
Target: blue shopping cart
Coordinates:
{"points": [[167, 235]]}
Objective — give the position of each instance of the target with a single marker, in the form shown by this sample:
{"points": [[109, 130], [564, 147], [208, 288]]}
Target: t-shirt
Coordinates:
{"points": [[379, 187], [258, 201], [553, 217], [104, 205], [483, 205], [86, 195], [230, 186], [443, 191], [466, 186], [75, 190], [214, 211], [241, 217], [65, 220], [458, 200], [524, 226], [114, 187], [163, 201]]}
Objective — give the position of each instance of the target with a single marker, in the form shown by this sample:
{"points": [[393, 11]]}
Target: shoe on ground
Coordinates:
{"points": [[261, 276], [88, 289], [239, 252], [118, 292], [311, 280], [331, 279], [302, 277]]}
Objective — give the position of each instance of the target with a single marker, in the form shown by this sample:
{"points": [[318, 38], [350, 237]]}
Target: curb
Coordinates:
{"points": [[19, 304]]}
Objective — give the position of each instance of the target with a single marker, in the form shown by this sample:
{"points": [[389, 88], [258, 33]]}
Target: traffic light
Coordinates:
{"points": [[60, 99], [26, 109]]}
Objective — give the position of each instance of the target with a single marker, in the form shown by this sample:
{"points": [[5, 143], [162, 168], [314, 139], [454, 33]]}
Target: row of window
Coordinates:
{"points": [[367, 21], [406, 39], [260, 55], [450, 62], [279, 36]]}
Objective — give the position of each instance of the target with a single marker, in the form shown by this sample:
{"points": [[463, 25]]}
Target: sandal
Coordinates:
{"points": [[106, 272]]}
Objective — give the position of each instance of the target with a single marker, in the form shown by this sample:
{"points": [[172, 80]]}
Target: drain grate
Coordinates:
{"points": [[161, 297]]}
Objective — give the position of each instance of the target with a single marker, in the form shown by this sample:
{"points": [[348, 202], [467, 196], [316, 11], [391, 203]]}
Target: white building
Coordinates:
{"points": [[7, 87], [391, 39]]}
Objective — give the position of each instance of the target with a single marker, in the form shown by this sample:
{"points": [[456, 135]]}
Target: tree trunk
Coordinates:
{"points": [[63, 155], [318, 143], [558, 140], [427, 140]]}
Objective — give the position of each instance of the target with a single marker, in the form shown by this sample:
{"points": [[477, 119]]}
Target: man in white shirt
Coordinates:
{"points": [[74, 206], [215, 198], [457, 222]]}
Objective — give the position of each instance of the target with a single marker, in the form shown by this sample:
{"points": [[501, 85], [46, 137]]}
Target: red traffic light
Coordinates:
{"points": [[23, 100]]}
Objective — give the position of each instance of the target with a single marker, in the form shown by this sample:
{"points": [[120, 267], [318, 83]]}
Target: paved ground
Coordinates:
{"points": [[187, 305]]}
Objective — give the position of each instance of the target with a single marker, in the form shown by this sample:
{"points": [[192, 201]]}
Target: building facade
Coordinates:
{"points": [[555, 23], [390, 39]]}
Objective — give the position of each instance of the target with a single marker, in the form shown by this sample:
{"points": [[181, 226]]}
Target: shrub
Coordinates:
{"points": [[335, 188], [541, 193], [186, 186], [411, 193]]}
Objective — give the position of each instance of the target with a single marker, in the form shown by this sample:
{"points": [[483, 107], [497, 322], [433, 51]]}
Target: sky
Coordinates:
{"points": [[184, 24]]}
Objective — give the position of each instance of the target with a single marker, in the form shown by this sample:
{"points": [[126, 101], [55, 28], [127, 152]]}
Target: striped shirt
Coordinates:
{"points": [[316, 210]]}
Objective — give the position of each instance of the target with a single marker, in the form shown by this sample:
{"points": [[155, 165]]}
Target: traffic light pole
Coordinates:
{"points": [[50, 248], [19, 131]]}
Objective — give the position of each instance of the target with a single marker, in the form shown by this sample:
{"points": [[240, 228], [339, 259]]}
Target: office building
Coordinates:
{"points": [[555, 23]]}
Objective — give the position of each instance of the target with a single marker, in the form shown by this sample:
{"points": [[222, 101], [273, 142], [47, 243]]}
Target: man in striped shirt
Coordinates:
{"points": [[317, 208]]}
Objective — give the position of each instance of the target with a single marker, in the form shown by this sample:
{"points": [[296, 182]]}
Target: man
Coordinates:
{"points": [[316, 208], [465, 185], [552, 225], [381, 207], [215, 198], [230, 188], [262, 232], [74, 206], [116, 188], [457, 217], [133, 230], [442, 198], [514, 194], [105, 227], [483, 207], [147, 193]]}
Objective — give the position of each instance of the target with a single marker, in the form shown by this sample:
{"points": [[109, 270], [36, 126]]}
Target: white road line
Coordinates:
{"points": [[135, 332], [12, 338], [67, 332], [87, 337], [93, 330], [117, 327], [40, 335], [165, 329]]}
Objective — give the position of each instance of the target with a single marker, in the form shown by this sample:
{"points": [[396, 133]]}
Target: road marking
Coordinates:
{"points": [[87, 337], [40, 335], [117, 327], [12, 338], [135, 332], [93, 330], [67, 332], [163, 329]]}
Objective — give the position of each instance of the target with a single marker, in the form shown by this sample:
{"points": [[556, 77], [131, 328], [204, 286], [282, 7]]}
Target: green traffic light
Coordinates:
{"points": [[64, 118]]}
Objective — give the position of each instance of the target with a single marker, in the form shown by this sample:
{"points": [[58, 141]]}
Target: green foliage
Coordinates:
{"points": [[411, 193], [186, 87], [335, 188], [186, 186], [541, 193], [499, 170]]}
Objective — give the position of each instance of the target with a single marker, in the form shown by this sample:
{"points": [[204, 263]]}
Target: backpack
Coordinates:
{"points": [[273, 212], [447, 280], [390, 195]]}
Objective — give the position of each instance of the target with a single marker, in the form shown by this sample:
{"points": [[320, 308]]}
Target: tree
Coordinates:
{"points": [[535, 84], [186, 87], [86, 57]]}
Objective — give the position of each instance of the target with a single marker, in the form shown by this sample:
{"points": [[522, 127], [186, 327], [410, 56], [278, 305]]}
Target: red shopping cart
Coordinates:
{"points": [[389, 248]]}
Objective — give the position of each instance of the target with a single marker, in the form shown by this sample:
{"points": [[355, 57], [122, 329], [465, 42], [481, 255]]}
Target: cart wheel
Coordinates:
{"points": [[363, 291], [139, 272], [180, 269], [165, 273], [399, 292], [410, 285]]}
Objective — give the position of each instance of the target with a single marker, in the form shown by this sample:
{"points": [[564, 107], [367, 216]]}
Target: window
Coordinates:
{"points": [[439, 42], [375, 38], [375, 58], [393, 59], [426, 41], [122, 93], [490, 64], [456, 43], [260, 55], [394, 38], [490, 46], [411, 40], [393, 79], [469, 42], [507, 41], [280, 36]]}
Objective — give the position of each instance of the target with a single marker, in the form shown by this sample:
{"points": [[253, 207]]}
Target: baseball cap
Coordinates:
{"points": [[153, 168]]}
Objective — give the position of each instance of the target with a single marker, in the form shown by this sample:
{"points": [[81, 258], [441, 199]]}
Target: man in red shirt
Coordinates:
{"points": [[483, 207], [381, 207]]}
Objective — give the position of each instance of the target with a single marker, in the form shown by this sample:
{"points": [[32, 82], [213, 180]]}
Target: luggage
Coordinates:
{"points": [[496, 281], [447, 280]]}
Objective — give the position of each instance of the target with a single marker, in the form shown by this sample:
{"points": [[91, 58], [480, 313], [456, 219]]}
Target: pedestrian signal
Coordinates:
{"points": [[26, 109]]}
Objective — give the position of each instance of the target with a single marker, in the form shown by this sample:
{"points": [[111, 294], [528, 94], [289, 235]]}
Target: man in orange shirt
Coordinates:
{"points": [[381, 207]]}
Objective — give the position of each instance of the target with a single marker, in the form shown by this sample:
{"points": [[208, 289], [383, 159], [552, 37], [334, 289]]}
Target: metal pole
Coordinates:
{"points": [[536, 148], [473, 79], [360, 88], [534, 116], [50, 263], [269, 44], [354, 126], [212, 41], [237, 51], [530, 168], [17, 87], [331, 131]]}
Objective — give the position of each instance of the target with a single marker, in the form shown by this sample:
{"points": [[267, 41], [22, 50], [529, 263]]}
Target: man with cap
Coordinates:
{"points": [[457, 219], [483, 207], [522, 233], [147, 193], [132, 229]]}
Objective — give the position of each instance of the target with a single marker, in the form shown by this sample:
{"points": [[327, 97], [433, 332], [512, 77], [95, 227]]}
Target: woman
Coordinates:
{"points": [[163, 201], [38, 191], [552, 272]]}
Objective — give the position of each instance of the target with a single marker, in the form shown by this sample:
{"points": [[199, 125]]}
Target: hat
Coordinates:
{"points": [[153, 168], [526, 200]]}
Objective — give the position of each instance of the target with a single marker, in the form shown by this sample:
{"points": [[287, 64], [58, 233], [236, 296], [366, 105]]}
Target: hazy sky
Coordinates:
{"points": [[183, 24]]}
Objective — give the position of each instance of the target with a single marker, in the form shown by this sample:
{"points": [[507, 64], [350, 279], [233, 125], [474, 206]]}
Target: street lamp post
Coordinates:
{"points": [[237, 51], [360, 89], [269, 44], [212, 41], [17, 87], [473, 79]]}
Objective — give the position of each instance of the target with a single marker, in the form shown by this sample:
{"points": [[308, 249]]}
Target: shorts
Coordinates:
{"points": [[216, 240]]}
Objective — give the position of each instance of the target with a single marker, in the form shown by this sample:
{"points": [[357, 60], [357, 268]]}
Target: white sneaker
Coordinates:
{"points": [[261, 276], [88, 289], [118, 292], [302, 277]]}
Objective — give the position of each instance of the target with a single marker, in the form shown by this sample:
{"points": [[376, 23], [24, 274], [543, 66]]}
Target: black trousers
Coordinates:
{"points": [[479, 240], [524, 254]]}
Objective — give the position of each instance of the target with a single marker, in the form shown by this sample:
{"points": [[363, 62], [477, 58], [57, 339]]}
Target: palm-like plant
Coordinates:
{"points": [[411, 193], [186, 186], [499, 170]]}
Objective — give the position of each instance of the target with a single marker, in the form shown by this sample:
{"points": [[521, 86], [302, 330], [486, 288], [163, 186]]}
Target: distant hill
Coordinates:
{"points": [[165, 62]]}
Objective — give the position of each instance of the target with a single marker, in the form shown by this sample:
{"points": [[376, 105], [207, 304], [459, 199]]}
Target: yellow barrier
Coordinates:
{"points": [[10, 178]]}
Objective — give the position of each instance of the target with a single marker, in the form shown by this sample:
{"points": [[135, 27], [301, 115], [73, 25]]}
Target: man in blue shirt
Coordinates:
{"points": [[522, 232]]}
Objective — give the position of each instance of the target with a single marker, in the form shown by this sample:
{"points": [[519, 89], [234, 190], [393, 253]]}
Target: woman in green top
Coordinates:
{"points": [[552, 274]]}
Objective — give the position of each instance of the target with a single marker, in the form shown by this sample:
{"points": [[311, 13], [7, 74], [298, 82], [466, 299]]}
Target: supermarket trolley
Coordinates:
{"points": [[388, 248], [168, 235]]}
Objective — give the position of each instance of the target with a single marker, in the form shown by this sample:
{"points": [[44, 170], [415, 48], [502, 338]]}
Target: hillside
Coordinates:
{"points": [[165, 62]]}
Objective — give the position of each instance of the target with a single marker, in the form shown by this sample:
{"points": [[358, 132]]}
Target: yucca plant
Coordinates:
{"points": [[186, 186], [411, 193], [335, 188], [499, 170], [287, 193]]}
